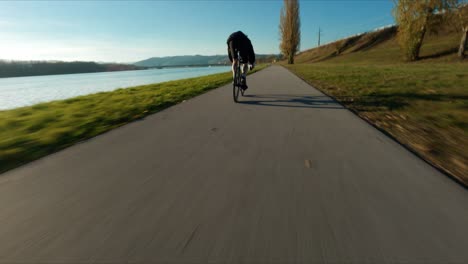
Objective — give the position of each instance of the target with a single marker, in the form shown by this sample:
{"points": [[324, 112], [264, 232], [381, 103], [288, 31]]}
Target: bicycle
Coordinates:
{"points": [[237, 83]]}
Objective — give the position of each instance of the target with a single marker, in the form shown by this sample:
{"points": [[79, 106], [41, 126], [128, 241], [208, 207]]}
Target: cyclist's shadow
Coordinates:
{"points": [[293, 101]]}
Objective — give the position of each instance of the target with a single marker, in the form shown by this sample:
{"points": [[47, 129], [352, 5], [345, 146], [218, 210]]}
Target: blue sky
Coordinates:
{"points": [[127, 31]]}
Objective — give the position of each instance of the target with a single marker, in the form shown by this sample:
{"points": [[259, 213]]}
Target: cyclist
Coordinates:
{"points": [[238, 41]]}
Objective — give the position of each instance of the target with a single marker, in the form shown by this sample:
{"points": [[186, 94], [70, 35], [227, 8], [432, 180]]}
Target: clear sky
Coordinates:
{"points": [[128, 31]]}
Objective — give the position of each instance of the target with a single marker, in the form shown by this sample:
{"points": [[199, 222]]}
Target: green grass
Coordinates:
{"points": [[423, 105], [29, 133]]}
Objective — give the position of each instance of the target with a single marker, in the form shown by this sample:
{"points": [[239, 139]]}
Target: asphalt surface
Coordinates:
{"points": [[287, 176]]}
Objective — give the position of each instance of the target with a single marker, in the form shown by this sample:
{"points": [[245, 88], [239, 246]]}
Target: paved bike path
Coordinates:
{"points": [[287, 176]]}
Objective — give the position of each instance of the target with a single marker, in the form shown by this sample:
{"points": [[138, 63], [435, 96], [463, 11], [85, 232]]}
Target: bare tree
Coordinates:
{"points": [[461, 12], [290, 24], [413, 18]]}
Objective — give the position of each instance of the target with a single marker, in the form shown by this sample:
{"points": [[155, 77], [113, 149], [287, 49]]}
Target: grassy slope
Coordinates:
{"points": [[424, 104], [29, 133]]}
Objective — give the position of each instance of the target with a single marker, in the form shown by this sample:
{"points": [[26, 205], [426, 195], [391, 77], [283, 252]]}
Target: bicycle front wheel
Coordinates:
{"points": [[236, 85]]}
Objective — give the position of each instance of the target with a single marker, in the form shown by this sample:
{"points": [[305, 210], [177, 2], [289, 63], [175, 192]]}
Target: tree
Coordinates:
{"points": [[413, 18], [290, 24], [461, 12]]}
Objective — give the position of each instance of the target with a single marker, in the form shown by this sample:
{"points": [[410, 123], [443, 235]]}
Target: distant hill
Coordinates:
{"points": [[195, 60], [36, 68], [380, 46]]}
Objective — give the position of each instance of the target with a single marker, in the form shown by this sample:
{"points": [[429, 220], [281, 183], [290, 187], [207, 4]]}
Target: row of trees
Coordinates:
{"points": [[416, 17], [35, 68]]}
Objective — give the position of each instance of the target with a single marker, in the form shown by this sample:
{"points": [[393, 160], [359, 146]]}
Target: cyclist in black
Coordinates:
{"points": [[238, 41]]}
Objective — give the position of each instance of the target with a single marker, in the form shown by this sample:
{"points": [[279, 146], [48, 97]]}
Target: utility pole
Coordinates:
{"points": [[319, 34]]}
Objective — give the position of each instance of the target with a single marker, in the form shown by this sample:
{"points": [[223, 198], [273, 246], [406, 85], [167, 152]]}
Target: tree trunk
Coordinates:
{"points": [[463, 43], [418, 45], [291, 59]]}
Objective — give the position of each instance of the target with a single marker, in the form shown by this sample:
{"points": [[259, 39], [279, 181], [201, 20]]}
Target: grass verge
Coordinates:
{"points": [[29, 133], [423, 106]]}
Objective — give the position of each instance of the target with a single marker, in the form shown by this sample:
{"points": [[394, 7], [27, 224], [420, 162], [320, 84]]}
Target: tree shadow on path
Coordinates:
{"points": [[290, 101]]}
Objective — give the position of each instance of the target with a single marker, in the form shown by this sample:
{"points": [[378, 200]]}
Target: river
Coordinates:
{"points": [[23, 91]]}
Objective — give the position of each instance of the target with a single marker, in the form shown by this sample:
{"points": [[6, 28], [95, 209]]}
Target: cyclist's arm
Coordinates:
{"points": [[229, 54], [251, 52]]}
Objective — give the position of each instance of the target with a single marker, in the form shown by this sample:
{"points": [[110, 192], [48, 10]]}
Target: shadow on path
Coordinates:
{"points": [[292, 101]]}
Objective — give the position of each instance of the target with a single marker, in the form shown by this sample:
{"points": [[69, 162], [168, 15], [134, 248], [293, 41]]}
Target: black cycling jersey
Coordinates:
{"points": [[238, 41]]}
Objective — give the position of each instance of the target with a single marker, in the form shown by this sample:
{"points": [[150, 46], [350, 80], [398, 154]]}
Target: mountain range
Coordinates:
{"points": [[196, 60]]}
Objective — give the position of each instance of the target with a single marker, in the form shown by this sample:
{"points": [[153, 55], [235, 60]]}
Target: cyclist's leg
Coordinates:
{"points": [[244, 69], [244, 65]]}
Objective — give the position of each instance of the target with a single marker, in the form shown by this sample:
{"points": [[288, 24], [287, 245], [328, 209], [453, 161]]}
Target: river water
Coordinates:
{"points": [[23, 91]]}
